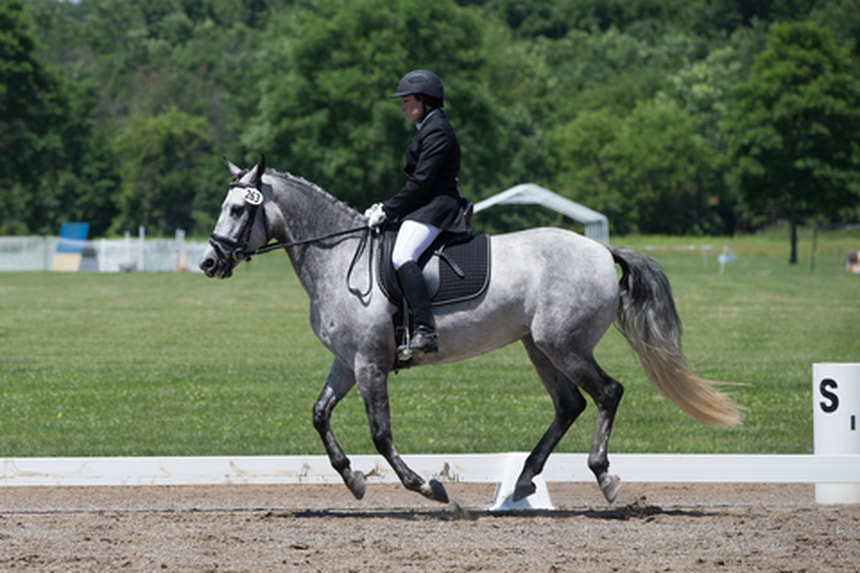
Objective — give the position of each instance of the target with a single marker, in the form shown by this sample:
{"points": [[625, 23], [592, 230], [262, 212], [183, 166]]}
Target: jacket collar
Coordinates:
{"points": [[421, 123]]}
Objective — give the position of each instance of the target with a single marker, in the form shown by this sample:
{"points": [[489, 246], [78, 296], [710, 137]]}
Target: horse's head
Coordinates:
{"points": [[241, 228]]}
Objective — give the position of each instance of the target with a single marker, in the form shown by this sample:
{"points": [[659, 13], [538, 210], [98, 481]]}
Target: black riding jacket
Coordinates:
{"points": [[430, 194]]}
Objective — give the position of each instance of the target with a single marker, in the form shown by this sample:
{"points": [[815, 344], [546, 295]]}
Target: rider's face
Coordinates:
{"points": [[411, 108]]}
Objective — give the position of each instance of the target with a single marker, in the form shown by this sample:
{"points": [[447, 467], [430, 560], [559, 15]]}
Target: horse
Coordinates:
{"points": [[553, 290]]}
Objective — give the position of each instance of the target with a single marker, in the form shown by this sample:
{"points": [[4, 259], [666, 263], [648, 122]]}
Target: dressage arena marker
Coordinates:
{"points": [[467, 468], [836, 409]]}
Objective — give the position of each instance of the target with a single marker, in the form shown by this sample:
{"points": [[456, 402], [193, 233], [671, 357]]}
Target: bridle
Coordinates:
{"points": [[230, 251]]}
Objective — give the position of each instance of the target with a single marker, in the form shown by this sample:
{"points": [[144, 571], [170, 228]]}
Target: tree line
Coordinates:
{"points": [[669, 116]]}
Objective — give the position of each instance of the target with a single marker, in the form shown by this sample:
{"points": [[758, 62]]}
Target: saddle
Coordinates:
{"points": [[456, 269]]}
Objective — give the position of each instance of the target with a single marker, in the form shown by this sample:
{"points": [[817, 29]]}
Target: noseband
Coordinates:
{"points": [[228, 249]]}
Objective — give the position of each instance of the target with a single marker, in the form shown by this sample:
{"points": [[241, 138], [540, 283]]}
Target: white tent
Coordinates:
{"points": [[596, 224]]}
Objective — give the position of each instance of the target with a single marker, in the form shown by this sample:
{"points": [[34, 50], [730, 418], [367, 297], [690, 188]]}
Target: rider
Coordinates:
{"points": [[429, 202]]}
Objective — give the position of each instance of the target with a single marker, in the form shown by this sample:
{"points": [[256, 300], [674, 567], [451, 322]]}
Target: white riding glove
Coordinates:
{"points": [[375, 215]]}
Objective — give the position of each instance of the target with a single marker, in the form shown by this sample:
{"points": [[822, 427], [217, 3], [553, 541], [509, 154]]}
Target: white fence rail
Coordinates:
{"points": [[103, 255], [469, 468]]}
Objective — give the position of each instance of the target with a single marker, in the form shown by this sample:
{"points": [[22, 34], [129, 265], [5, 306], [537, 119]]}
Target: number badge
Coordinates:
{"points": [[253, 197]]}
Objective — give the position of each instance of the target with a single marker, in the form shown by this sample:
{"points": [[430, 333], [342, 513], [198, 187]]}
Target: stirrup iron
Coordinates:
{"points": [[404, 351]]}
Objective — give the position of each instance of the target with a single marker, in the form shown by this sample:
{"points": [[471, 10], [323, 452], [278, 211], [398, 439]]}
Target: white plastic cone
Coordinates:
{"points": [[503, 500]]}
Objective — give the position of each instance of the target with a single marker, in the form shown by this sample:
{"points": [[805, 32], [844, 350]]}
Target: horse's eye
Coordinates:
{"points": [[237, 210]]}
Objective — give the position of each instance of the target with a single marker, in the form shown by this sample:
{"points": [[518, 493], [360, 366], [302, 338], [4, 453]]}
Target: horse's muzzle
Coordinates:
{"points": [[223, 254], [214, 265]]}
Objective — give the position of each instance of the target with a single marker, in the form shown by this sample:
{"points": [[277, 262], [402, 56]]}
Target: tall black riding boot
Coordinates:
{"points": [[415, 290]]}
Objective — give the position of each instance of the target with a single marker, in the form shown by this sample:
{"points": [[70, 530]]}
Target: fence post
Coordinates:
{"points": [[141, 245]]}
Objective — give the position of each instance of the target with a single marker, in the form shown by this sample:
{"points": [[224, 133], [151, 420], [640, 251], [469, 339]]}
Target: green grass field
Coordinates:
{"points": [[176, 364]]}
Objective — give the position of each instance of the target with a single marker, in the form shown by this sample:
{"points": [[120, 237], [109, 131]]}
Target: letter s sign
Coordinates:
{"points": [[831, 401]]}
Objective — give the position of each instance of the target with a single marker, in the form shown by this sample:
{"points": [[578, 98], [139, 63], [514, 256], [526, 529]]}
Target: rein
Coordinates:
{"points": [[359, 250], [275, 246]]}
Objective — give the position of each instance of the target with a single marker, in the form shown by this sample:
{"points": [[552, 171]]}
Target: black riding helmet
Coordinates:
{"points": [[420, 83]]}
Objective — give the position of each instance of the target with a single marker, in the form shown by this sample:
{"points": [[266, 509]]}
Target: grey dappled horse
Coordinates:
{"points": [[555, 291]]}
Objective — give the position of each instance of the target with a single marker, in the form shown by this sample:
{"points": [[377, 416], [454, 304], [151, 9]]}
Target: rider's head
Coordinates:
{"points": [[425, 86]]}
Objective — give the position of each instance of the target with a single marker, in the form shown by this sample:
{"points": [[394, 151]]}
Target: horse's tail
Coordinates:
{"points": [[649, 321]]}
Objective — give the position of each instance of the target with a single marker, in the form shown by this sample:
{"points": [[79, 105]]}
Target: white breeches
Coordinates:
{"points": [[412, 240]]}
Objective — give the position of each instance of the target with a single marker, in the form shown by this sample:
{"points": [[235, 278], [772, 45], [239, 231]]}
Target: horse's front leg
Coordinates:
{"points": [[373, 385], [340, 381]]}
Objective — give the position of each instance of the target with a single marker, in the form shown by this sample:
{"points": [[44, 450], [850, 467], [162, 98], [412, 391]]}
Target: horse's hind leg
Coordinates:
{"points": [[569, 404], [340, 381], [606, 392]]}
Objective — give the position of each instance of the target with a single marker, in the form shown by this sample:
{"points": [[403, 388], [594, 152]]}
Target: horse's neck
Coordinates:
{"points": [[309, 213]]}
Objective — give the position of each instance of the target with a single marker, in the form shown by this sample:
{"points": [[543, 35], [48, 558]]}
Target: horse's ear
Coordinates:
{"points": [[260, 169], [235, 170]]}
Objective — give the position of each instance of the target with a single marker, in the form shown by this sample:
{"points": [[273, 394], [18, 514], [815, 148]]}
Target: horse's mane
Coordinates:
{"points": [[313, 187]]}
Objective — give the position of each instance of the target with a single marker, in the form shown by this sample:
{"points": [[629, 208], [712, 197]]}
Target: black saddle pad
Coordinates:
{"points": [[454, 272]]}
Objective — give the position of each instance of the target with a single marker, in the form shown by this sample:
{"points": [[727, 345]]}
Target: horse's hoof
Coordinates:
{"points": [[435, 491], [357, 485], [610, 484], [523, 490]]}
